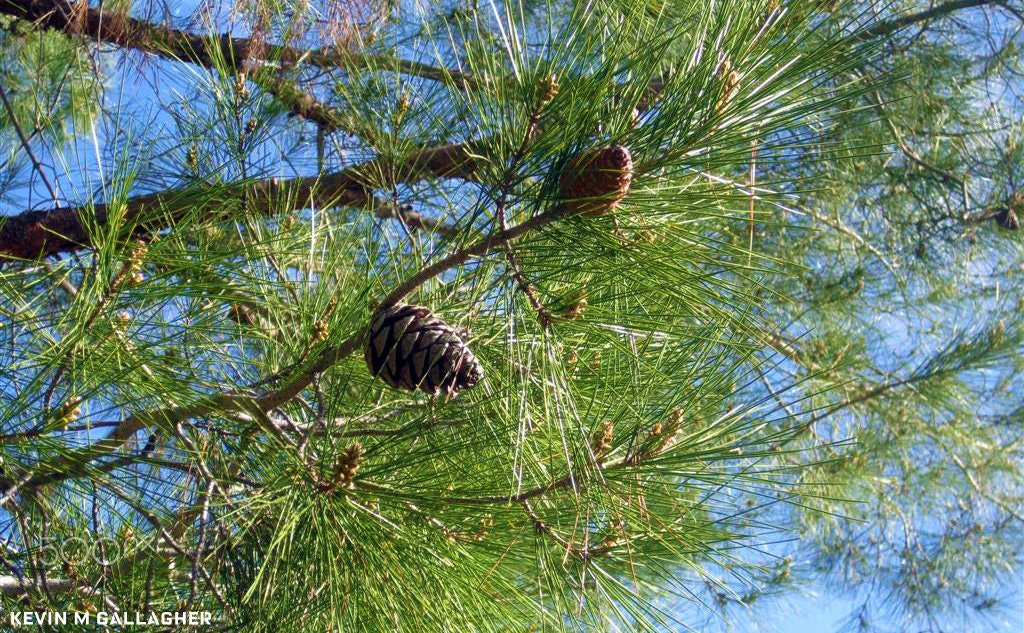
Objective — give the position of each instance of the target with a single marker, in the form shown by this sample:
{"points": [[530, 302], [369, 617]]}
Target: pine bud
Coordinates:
{"points": [[348, 466], [1009, 216], [131, 266], [68, 413], [661, 437], [730, 81], [549, 90], [575, 306], [242, 314], [241, 87], [601, 442], [320, 331], [138, 251], [1008, 219]]}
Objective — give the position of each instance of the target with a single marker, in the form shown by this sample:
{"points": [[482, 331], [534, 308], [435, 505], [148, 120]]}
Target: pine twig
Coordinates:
{"points": [[28, 147], [532, 126]]}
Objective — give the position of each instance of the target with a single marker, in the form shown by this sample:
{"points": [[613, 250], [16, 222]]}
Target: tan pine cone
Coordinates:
{"points": [[594, 182]]}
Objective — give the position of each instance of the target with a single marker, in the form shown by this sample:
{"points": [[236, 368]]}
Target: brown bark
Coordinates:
{"points": [[38, 234], [106, 26], [936, 12], [77, 18]]}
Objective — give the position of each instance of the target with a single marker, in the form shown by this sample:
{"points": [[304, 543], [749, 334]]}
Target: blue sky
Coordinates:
{"points": [[817, 611]]}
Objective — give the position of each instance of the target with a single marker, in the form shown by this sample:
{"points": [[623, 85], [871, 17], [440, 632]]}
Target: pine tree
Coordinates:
{"points": [[907, 325], [574, 228]]}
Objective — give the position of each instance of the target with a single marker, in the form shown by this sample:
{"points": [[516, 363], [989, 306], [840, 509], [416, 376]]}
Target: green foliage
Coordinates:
{"points": [[668, 388], [49, 85]]}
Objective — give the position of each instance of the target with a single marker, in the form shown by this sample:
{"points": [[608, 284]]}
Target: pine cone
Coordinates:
{"points": [[594, 182], [410, 348]]}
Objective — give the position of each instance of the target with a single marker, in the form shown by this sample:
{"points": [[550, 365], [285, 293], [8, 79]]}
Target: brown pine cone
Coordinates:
{"points": [[410, 348], [594, 182]]}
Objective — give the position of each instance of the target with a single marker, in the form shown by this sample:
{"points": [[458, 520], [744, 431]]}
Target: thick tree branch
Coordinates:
{"points": [[232, 53], [883, 29], [118, 28], [37, 234], [130, 33]]}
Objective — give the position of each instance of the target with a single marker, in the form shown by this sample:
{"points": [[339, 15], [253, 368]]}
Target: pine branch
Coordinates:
{"points": [[39, 234], [304, 104], [79, 462], [169, 539], [131, 33], [332, 356], [14, 586], [128, 32], [26, 145], [883, 29], [504, 188], [459, 79], [565, 482]]}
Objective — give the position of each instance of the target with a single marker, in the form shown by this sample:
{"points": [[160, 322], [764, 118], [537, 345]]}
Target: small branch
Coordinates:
{"points": [[584, 553], [551, 89], [306, 105], [483, 246], [978, 488], [170, 540], [12, 586], [527, 288], [27, 146], [839, 226], [946, 175], [344, 427], [77, 462], [449, 76], [561, 483]]}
